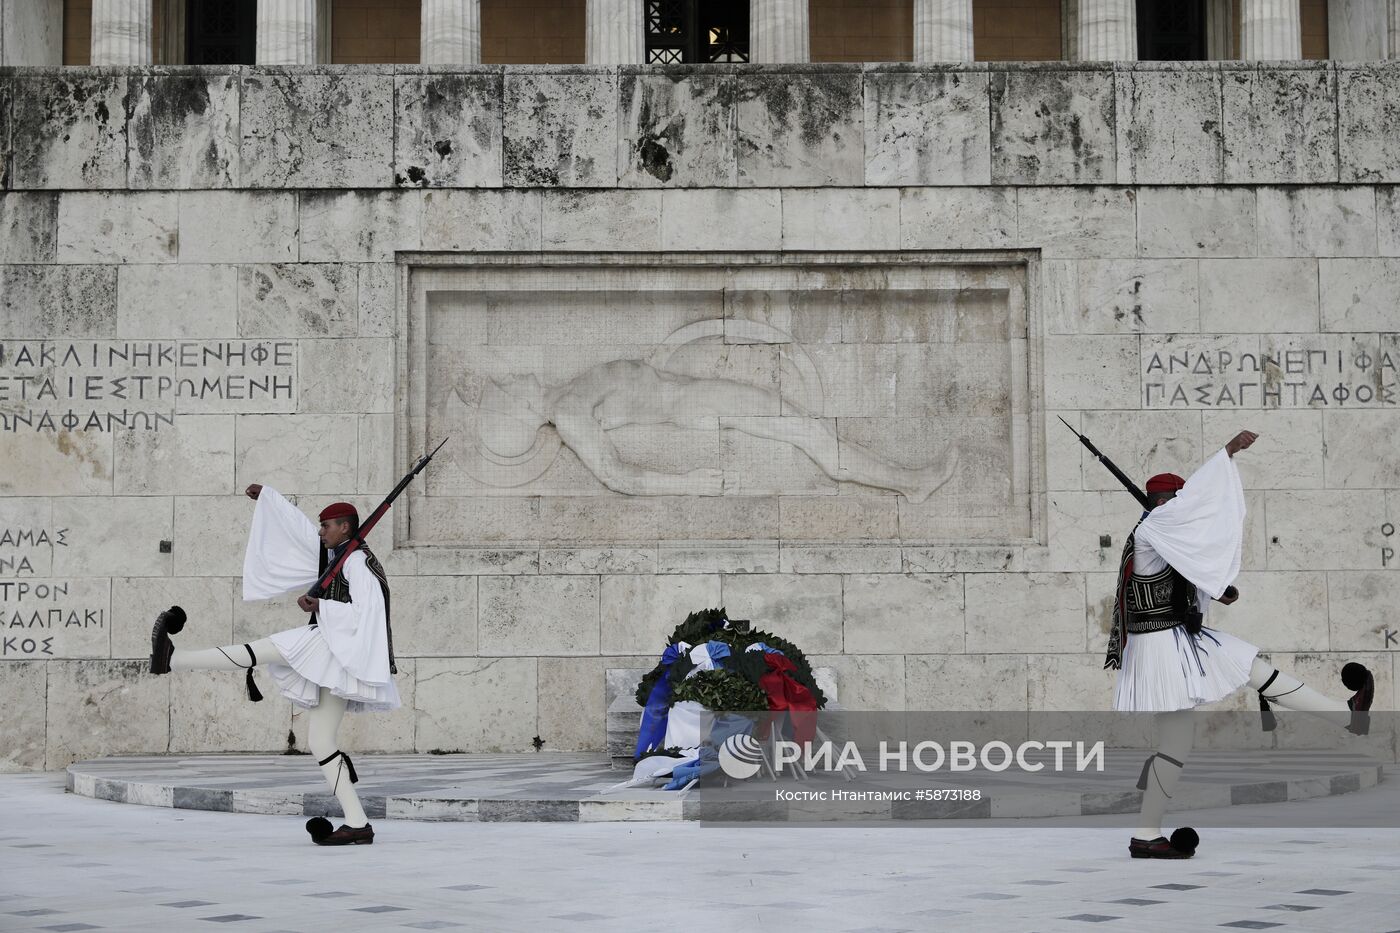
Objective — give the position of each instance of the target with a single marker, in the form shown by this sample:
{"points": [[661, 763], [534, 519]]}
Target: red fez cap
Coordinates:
{"points": [[339, 510], [1165, 482]]}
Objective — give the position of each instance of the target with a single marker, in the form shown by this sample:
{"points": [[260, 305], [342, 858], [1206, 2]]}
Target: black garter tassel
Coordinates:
{"points": [[254, 693]]}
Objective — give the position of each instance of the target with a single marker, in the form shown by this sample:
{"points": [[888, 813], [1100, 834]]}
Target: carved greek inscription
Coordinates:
{"points": [[1280, 372], [104, 386]]}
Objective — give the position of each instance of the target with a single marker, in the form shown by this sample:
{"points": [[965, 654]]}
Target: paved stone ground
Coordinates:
{"points": [[69, 863], [565, 787]]}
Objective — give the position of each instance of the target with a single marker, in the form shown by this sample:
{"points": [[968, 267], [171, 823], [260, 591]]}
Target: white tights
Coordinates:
{"points": [[324, 718], [1176, 732]]}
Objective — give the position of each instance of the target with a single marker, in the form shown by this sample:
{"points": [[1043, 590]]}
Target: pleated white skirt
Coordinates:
{"points": [[1171, 670], [311, 665]]}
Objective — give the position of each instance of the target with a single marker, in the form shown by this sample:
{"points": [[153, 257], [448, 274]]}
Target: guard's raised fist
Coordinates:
{"points": [[1240, 441], [253, 491]]}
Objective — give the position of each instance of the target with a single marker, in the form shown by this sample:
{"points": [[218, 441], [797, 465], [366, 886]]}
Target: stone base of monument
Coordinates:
{"points": [[575, 787]]}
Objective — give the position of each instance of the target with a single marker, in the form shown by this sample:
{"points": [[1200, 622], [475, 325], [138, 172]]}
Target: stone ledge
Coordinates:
{"points": [[571, 788]]}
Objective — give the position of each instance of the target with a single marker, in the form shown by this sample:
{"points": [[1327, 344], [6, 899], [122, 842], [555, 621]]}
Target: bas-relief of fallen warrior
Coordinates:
{"points": [[633, 392]]}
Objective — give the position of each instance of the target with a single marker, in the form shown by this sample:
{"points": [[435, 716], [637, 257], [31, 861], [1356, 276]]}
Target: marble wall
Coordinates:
{"points": [[215, 277]]}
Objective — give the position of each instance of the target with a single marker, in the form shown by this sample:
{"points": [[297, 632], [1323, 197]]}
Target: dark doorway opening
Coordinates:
{"points": [[1171, 30], [221, 32]]}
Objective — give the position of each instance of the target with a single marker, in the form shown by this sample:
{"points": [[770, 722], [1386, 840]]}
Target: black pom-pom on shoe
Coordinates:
{"points": [[174, 620], [320, 828], [1358, 678], [1185, 840]]}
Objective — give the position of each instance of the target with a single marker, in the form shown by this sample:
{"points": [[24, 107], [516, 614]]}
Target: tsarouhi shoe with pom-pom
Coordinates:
{"points": [[170, 622], [1182, 844], [320, 829]]}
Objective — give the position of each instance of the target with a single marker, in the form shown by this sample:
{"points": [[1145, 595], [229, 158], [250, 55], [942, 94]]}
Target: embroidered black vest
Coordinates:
{"points": [[339, 590], [1161, 601]]}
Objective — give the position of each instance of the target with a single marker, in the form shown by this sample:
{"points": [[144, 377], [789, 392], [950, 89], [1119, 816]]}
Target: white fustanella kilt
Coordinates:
{"points": [[1172, 670]]}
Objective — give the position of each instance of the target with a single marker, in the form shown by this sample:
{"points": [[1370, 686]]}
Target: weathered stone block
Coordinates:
{"points": [[1259, 295], [1368, 123], [201, 552], [561, 129], [1318, 221], [136, 601], [1170, 125], [1280, 125], [158, 301], [346, 375], [1121, 296], [1387, 219], [1362, 449], [238, 226], [927, 128], [602, 220], [1333, 529], [28, 225], [23, 693], [193, 458], [1053, 127], [676, 128], [1091, 372], [539, 615], [718, 557], [838, 518], [210, 712], [447, 130], [183, 131], [48, 302], [1038, 612], [1359, 294], [301, 300], [56, 464], [481, 220], [803, 608], [318, 130], [359, 226], [867, 682], [376, 466], [1144, 443], [957, 218], [603, 560], [1070, 682], [434, 616], [69, 133], [840, 218], [1069, 222], [1288, 454], [113, 536], [969, 379], [98, 708], [704, 219], [835, 558], [639, 612], [476, 704], [1196, 222], [1078, 523], [1277, 611], [276, 450], [572, 704], [903, 613], [1361, 609], [805, 128], [959, 682], [378, 297]]}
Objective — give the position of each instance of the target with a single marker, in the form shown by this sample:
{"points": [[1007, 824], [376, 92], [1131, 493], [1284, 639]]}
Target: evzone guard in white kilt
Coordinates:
{"points": [[1184, 553], [341, 660]]}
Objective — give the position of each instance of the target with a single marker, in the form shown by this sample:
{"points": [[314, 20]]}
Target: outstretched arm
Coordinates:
{"points": [[587, 439], [282, 551]]}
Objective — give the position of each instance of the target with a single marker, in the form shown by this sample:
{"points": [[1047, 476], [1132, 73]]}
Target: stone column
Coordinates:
{"points": [[1219, 15], [1392, 48], [1107, 30], [614, 32], [121, 32], [451, 32], [778, 32], [943, 30], [1270, 30], [286, 32]]}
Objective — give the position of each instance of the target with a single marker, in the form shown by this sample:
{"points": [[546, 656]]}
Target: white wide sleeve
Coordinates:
{"points": [[283, 549], [357, 631], [1201, 531]]}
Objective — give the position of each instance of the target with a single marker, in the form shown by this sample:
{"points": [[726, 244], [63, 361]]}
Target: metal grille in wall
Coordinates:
{"points": [[221, 32], [686, 31], [1171, 30]]}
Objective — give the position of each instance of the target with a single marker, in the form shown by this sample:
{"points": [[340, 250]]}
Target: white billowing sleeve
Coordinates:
{"points": [[1201, 531], [357, 632], [283, 549]]}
